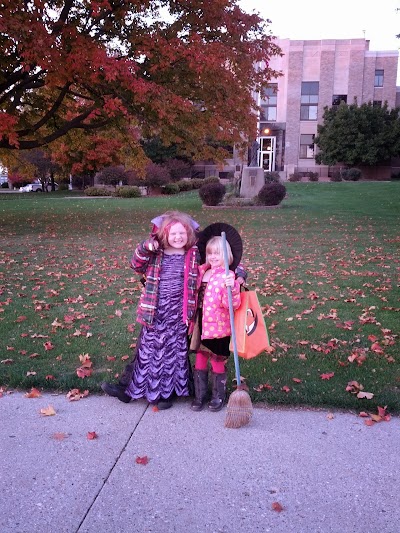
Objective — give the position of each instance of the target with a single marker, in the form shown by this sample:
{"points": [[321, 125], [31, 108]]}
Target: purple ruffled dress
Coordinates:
{"points": [[162, 365]]}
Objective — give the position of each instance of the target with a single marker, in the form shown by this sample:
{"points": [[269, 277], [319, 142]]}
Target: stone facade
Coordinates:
{"points": [[342, 67]]}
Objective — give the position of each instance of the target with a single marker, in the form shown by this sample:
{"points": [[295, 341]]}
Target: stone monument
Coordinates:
{"points": [[253, 175]]}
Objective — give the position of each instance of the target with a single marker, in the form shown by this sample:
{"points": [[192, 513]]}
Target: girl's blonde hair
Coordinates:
{"points": [[215, 244], [171, 218]]}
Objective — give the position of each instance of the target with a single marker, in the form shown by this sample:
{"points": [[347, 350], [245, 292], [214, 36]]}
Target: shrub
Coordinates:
{"points": [[395, 177], [270, 177], [170, 188], [212, 193], [4, 185], [271, 194], [63, 186], [296, 176], [211, 179], [313, 176], [128, 192], [97, 191], [336, 176], [157, 175], [185, 185], [351, 174], [197, 183]]}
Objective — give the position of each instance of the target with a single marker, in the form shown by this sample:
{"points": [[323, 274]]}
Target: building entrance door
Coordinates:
{"points": [[267, 153]]}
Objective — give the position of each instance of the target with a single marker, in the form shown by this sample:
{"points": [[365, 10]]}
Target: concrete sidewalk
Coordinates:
{"points": [[330, 474]]}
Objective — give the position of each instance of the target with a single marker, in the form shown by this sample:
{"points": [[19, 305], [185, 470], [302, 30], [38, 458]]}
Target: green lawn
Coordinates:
{"points": [[325, 263]]}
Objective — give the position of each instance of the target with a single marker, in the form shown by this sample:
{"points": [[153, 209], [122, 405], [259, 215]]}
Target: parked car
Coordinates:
{"points": [[36, 186]]}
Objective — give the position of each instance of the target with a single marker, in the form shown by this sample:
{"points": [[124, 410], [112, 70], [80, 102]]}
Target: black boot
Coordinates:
{"points": [[117, 391], [200, 389], [164, 403], [218, 382]]}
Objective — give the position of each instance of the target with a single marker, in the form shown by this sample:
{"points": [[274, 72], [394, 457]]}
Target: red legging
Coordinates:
{"points": [[201, 363]]}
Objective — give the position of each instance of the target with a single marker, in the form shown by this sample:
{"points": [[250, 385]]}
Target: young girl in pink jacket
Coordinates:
{"points": [[214, 326]]}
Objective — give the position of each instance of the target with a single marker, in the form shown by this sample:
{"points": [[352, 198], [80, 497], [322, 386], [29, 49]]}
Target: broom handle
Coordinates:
{"points": [[231, 312]]}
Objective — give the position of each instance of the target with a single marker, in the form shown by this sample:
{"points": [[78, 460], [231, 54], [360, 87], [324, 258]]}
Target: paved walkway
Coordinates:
{"points": [[330, 473]]}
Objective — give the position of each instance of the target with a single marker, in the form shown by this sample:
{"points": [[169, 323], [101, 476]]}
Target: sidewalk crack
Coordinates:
{"points": [[111, 470]]}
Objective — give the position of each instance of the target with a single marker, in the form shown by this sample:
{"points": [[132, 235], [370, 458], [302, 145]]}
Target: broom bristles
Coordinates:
{"points": [[239, 409]]}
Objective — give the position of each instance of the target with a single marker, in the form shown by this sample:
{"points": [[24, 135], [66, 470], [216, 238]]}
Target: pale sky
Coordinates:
{"points": [[376, 20]]}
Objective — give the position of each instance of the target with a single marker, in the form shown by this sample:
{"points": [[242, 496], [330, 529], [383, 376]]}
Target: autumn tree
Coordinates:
{"points": [[358, 135], [113, 176], [43, 166], [182, 71], [30, 165]]}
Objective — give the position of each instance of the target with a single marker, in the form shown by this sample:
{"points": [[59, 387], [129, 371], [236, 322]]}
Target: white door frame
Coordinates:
{"points": [[267, 152]]}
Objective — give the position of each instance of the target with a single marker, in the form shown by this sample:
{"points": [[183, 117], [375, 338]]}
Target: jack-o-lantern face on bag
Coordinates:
{"points": [[251, 321]]}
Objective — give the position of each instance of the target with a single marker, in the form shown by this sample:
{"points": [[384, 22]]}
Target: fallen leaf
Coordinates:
{"points": [[142, 460], [48, 411], [85, 370], [82, 372], [85, 360], [375, 418], [59, 436], [91, 435], [354, 387], [366, 395], [48, 345], [76, 394], [34, 393], [276, 506], [383, 414], [328, 375]]}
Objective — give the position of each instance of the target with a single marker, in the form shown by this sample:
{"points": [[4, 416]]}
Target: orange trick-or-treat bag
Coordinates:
{"points": [[250, 329]]}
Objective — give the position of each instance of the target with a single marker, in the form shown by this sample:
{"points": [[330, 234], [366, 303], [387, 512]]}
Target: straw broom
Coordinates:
{"points": [[239, 409]]}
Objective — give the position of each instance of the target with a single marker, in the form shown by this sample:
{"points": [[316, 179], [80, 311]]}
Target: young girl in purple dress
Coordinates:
{"points": [[169, 260]]}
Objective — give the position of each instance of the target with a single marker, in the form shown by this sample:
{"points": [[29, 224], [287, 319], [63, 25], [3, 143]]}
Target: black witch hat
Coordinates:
{"points": [[232, 236]]}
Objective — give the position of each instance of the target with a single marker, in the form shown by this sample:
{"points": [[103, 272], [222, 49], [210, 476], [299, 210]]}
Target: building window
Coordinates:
{"points": [[268, 103], [309, 100], [377, 103], [378, 78], [337, 98], [306, 146]]}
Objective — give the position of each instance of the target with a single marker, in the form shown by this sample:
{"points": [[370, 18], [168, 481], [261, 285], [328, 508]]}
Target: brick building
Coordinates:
{"points": [[317, 74]]}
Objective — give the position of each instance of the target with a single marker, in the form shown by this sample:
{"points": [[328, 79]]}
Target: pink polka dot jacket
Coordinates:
{"points": [[216, 322]]}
